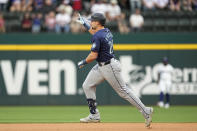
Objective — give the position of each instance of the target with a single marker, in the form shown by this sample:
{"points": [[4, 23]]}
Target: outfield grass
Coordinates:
{"points": [[59, 114]]}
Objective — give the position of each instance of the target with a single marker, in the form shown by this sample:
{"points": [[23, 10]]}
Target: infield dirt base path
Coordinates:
{"points": [[99, 127]]}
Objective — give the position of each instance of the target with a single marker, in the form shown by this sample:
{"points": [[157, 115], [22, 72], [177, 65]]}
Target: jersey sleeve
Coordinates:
{"points": [[159, 68], [171, 68], [95, 44]]}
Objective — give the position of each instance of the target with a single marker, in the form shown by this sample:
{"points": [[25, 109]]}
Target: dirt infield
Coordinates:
{"points": [[99, 127]]}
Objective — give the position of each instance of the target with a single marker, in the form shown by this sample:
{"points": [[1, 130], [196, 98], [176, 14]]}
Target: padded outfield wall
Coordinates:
{"points": [[41, 69]]}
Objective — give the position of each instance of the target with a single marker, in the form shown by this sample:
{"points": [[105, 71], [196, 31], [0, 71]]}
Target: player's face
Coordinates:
{"points": [[165, 62], [94, 24]]}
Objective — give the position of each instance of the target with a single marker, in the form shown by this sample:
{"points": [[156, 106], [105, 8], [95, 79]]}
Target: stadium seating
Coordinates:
{"points": [[155, 21], [12, 21], [159, 21]]}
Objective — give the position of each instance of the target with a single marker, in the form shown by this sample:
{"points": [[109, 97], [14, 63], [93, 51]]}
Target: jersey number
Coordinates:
{"points": [[111, 46]]}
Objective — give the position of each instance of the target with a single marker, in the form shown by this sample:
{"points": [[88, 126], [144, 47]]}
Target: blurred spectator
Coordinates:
{"points": [[124, 5], [136, 21], [148, 4], [135, 4], [38, 4], [87, 4], [194, 4], [36, 23], [26, 23], [86, 15], [99, 7], [161, 4], [77, 5], [175, 5], [66, 7], [15, 6], [114, 11], [187, 5], [54, 2], [2, 24], [75, 26], [122, 24], [50, 22], [62, 22], [3, 5], [26, 5], [48, 6]]}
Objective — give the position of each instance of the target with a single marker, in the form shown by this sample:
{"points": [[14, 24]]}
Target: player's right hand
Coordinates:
{"points": [[80, 20]]}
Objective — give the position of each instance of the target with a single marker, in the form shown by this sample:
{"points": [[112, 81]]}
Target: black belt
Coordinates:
{"points": [[104, 63]]}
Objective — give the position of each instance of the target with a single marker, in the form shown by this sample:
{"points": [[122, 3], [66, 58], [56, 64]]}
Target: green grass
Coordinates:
{"points": [[59, 114]]}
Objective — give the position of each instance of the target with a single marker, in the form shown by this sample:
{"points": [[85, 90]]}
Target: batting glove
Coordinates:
{"points": [[84, 22], [80, 19], [81, 63]]}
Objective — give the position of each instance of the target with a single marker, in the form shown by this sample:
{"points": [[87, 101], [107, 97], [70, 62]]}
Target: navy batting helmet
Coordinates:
{"points": [[98, 17]]}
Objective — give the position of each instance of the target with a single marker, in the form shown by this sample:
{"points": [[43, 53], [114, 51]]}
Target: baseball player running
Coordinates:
{"points": [[107, 68]]}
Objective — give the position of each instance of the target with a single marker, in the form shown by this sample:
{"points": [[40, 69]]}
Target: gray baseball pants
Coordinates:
{"points": [[112, 74]]}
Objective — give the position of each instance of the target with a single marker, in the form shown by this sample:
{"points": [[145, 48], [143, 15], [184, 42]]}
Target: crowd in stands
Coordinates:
{"points": [[60, 15]]}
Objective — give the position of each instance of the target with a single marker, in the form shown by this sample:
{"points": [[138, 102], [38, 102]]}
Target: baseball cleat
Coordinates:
{"points": [[161, 104], [92, 118], [148, 120], [167, 105]]}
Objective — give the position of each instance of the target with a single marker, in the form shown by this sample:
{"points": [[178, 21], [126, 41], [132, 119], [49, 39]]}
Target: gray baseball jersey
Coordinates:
{"points": [[109, 69]]}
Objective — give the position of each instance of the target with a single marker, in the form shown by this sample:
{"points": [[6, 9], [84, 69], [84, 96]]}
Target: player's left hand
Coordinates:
{"points": [[81, 20], [81, 63]]}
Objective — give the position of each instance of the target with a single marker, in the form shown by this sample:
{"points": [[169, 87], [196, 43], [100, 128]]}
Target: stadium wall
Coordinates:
{"points": [[41, 69]]}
